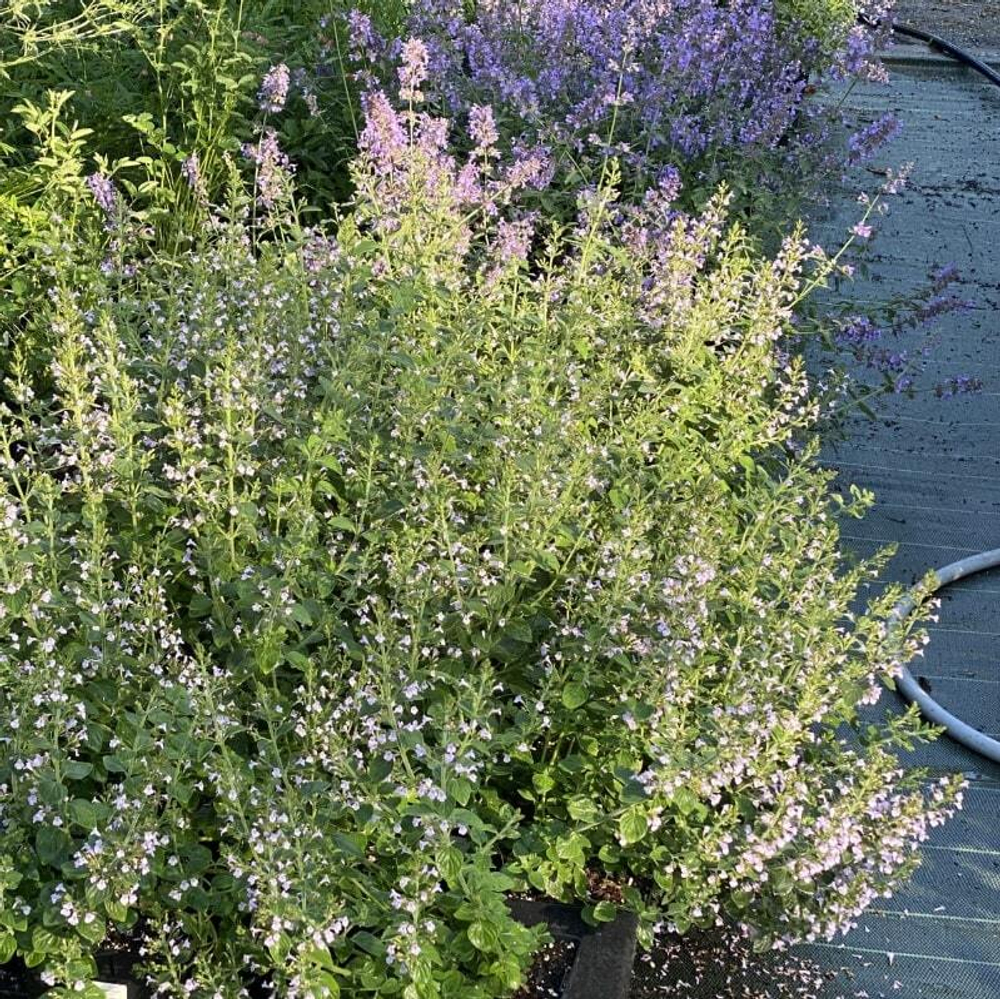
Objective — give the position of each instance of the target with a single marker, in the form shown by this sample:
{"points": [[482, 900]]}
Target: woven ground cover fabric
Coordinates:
{"points": [[934, 465]]}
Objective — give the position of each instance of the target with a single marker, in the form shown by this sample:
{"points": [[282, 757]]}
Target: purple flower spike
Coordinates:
{"points": [[273, 91], [483, 128], [864, 144], [959, 385], [413, 70], [384, 136], [274, 169], [107, 197], [858, 331]]}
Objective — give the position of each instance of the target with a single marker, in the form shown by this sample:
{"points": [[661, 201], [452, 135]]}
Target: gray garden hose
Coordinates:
{"points": [[959, 730]]}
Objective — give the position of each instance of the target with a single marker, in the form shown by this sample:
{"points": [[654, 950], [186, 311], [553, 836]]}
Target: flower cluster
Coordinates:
{"points": [[273, 170], [649, 82], [354, 577], [879, 346], [273, 91]]}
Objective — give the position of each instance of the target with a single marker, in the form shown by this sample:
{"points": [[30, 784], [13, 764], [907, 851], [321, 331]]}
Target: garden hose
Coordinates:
{"points": [[959, 730], [941, 45]]}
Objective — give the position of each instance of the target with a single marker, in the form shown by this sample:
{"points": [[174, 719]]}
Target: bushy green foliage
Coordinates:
{"points": [[134, 89], [828, 21], [355, 575], [347, 586]]}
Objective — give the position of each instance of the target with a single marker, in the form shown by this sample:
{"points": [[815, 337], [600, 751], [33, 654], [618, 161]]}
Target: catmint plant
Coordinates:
{"points": [[719, 89]]}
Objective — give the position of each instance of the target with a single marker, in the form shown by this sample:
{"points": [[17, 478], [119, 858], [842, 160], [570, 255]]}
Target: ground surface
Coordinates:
{"points": [[934, 465], [549, 972], [974, 23]]}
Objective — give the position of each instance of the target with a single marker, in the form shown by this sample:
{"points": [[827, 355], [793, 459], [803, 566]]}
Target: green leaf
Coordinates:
{"points": [[582, 809], [200, 605], [369, 943], [93, 932], [320, 956], [573, 849], [85, 814], [542, 782], [450, 863], [686, 800], [632, 826], [44, 941], [605, 912], [8, 945], [297, 659], [330, 985], [609, 853], [781, 881], [51, 792], [574, 695], [51, 845], [353, 844], [483, 936], [300, 613], [460, 789], [520, 631], [77, 769]]}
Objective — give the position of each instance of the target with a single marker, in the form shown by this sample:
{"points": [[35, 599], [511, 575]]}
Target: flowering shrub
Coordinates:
{"points": [[348, 585], [831, 23], [715, 87]]}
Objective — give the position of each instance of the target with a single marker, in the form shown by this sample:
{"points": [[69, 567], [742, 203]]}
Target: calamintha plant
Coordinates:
{"points": [[349, 584]]}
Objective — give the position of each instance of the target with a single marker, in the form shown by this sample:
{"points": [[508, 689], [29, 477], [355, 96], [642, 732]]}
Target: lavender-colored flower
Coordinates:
{"points": [[865, 143], [859, 55], [412, 70], [191, 171], [532, 168], [108, 199], [483, 128], [896, 180], [857, 331], [939, 305], [958, 385], [363, 40], [384, 137], [273, 91], [672, 77], [514, 240], [944, 276], [274, 169]]}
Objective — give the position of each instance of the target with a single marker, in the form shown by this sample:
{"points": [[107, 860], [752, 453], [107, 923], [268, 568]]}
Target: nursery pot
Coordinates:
{"points": [[115, 977], [602, 968]]}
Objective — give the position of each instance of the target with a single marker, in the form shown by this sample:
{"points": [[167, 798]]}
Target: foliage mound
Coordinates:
{"points": [[348, 585]]}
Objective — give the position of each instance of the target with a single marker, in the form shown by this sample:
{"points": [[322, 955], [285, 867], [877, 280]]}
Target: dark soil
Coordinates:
{"points": [[548, 974], [971, 23], [14, 986], [721, 964]]}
